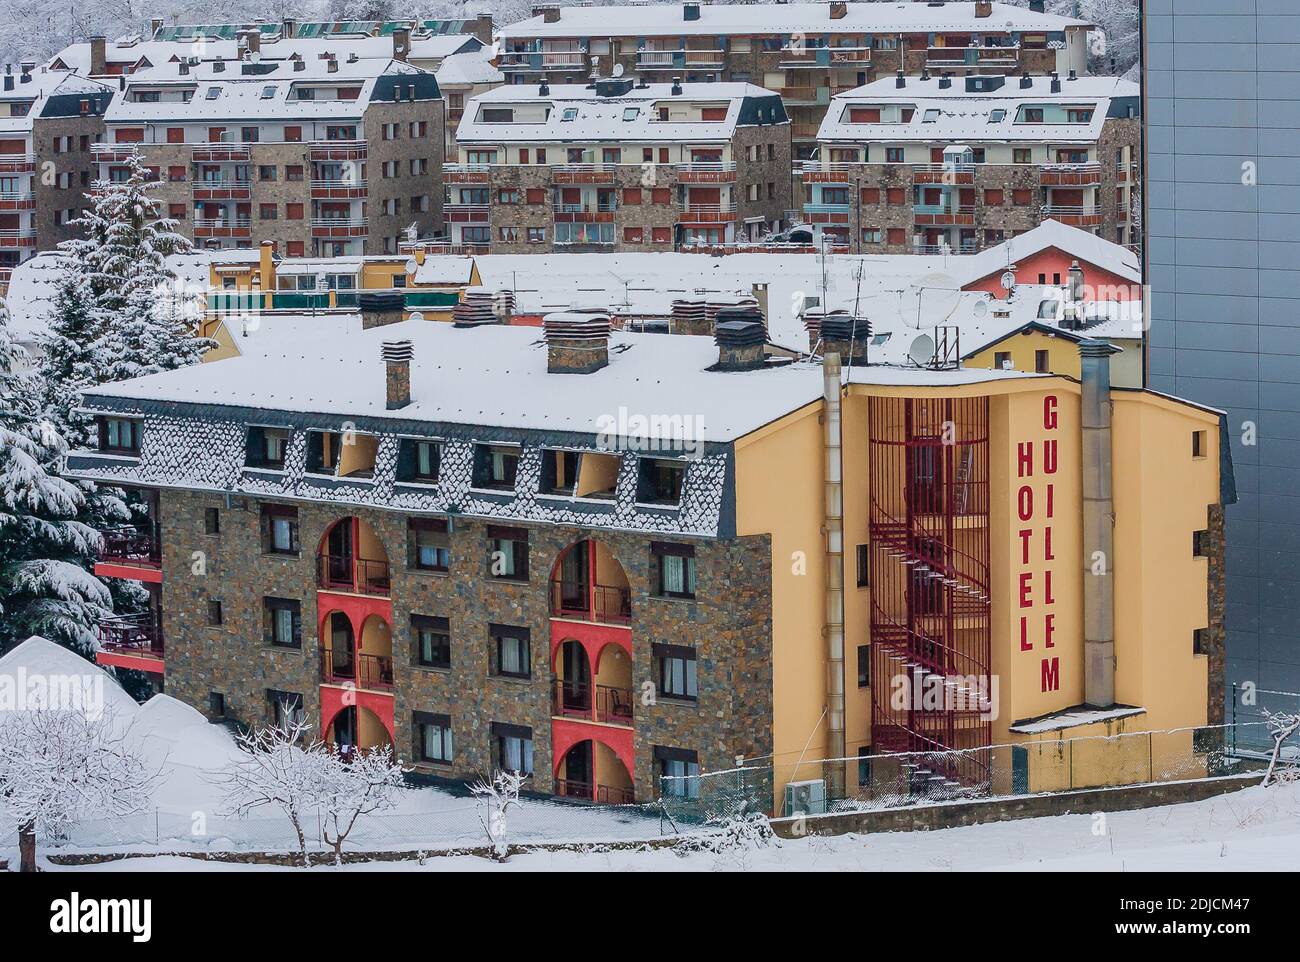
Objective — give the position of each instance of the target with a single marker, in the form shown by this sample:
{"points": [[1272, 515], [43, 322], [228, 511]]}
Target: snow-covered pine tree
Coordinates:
{"points": [[71, 359], [45, 552]]}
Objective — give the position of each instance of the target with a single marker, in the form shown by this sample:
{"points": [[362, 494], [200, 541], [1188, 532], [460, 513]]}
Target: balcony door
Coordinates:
{"points": [[576, 687], [575, 578], [340, 553]]}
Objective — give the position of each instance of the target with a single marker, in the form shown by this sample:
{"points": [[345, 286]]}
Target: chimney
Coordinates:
{"points": [[677, 87], [759, 290], [945, 82], [839, 10], [925, 73], [401, 44], [1056, 82], [251, 40], [479, 306], [98, 56], [183, 68], [1026, 81], [983, 8], [543, 89], [550, 14], [1098, 526], [740, 342], [298, 62], [25, 71], [483, 28], [690, 11], [846, 335], [1038, 6], [576, 343], [1074, 284], [288, 28], [332, 64], [155, 25], [1073, 74], [900, 81], [9, 76], [397, 373], [379, 308]]}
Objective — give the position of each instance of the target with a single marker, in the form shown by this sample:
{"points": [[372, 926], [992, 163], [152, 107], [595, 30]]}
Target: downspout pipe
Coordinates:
{"points": [[1098, 525], [834, 524]]}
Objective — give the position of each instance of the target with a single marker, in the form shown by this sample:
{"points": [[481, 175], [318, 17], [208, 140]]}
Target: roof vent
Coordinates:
{"points": [[299, 63], [847, 335], [945, 82], [397, 373], [576, 343], [543, 89], [839, 10], [616, 87], [380, 308], [332, 65], [690, 11], [1026, 81], [480, 306], [900, 81], [925, 73], [984, 83], [1073, 75], [1056, 82], [740, 338], [218, 66], [677, 87]]}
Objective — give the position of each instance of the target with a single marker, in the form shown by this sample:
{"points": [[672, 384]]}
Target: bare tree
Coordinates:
{"points": [[352, 786], [1281, 726], [58, 766], [499, 796]]}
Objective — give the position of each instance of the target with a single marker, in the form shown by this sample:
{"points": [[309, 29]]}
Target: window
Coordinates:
{"points": [[864, 666], [176, 174], [674, 668], [895, 195], [631, 113], [997, 115], [1002, 360], [428, 544], [993, 197], [1022, 198], [212, 521], [893, 155], [214, 613], [1041, 365], [661, 235], [511, 651], [1032, 115], [535, 195], [268, 92], [267, 211], [293, 211], [350, 455], [674, 569], [633, 235], [266, 447], [509, 195], [679, 772], [930, 115], [1201, 641], [213, 93], [292, 135], [1200, 544], [570, 113], [248, 135], [871, 195], [611, 155], [280, 529], [495, 466], [631, 196], [417, 128], [175, 135], [282, 622], [559, 472], [266, 172], [293, 172], [419, 462], [286, 708], [512, 748], [1198, 444], [507, 553], [659, 481], [1021, 155], [661, 195], [119, 436], [432, 737], [177, 211], [895, 236], [864, 565], [872, 235], [430, 641]]}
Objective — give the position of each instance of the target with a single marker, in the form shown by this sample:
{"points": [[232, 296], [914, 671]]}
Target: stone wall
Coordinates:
{"points": [[50, 197], [431, 148]]}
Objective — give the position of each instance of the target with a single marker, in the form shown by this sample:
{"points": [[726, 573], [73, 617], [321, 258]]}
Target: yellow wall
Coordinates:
{"points": [[779, 491], [1062, 356]]}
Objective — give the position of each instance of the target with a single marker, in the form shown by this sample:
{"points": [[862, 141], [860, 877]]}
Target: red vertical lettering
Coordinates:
{"points": [[1048, 555], [1026, 586], [1025, 502], [1051, 490], [1051, 674], [1049, 456], [1024, 545], [1047, 588], [1025, 644], [1025, 459], [1049, 629], [1049, 412]]}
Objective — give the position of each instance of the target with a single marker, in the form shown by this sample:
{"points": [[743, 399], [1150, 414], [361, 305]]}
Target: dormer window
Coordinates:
{"points": [[495, 466], [930, 115], [213, 93], [997, 115], [570, 113], [631, 113], [119, 436], [345, 454], [419, 462], [659, 481], [265, 447], [268, 93]]}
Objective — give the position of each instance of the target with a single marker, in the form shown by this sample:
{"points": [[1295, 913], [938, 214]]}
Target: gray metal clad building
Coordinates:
{"points": [[1222, 88]]}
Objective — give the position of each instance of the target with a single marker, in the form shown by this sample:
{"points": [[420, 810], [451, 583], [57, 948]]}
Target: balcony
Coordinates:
{"points": [[583, 173], [359, 576], [223, 227], [598, 703], [823, 172], [337, 189], [966, 247], [806, 94], [221, 153], [601, 213], [111, 153], [231, 189], [21, 237], [588, 792], [804, 56], [660, 59], [707, 172], [1075, 215], [941, 57], [17, 200], [706, 213], [932, 215], [133, 641], [130, 545], [467, 213], [338, 227], [466, 173], [19, 163], [337, 150], [943, 173], [822, 213], [345, 667], [1070, 175], [552, 58], [608, 604]]}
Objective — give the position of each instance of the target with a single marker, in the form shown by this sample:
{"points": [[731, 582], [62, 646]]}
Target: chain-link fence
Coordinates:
{"points": [[1248, 714]]}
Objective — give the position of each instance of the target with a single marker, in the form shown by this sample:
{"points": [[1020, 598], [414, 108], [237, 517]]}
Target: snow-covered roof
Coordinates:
{"points": [[1080, 244], [447, 269], [628, 116], [464, 69], [457, 374], [657, 20], [954, 113], [259, 96], [41, 85]]}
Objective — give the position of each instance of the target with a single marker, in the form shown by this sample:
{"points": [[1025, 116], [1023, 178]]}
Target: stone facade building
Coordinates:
{"points": [[617, 165], [323, 157], [48, 124], [962, 163], [806, 52]]}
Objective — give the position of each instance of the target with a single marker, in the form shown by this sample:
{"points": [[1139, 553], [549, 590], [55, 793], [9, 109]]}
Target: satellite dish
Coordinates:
{"points": [[416, 316], [981, 307], [921, 352], [412, 266], [617, 71], [1008, 280], [255, 56]]}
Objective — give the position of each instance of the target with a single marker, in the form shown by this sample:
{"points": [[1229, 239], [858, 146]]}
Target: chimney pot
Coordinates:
{"points": [[380, 308], [846, 335], [576, 342], [839, 10], [98, 56], [983, 8], [741, 339], [397, 373], [690, 11], [900, 80], [401, 44]]}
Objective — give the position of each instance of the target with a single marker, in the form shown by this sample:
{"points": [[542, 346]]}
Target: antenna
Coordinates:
{"points": [[921, 352]]}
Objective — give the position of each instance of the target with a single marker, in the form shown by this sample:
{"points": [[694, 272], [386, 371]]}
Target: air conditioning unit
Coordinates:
{"points": [[805, 798]]}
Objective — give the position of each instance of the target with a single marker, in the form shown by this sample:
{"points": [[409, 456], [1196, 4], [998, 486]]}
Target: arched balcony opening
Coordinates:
{"points": [[356, 728], [602, 693], [338, 652], [351, 558], [593, 771], [375, 660], [588, 584]]}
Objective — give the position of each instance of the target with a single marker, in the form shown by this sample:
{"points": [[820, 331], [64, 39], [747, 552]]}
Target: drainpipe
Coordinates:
{"points": [[1098, 526], [834, 523]]}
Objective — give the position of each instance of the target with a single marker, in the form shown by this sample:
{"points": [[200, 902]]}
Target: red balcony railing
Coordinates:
{"points": [[576, 599], [586, 791], [139, 635], [372, 672], [601, 703], [362, 576], [129, 544]]}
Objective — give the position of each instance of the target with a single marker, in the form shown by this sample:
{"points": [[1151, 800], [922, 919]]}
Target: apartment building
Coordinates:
{"points": [[48, 124], [807, 52], [330, 157], [618, 165], [944, 163], [601, 558]]}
